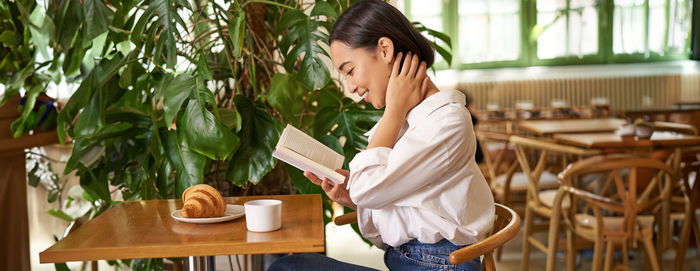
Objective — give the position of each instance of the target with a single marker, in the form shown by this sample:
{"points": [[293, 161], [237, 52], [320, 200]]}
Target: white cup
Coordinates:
{"points": [[263, 215]]}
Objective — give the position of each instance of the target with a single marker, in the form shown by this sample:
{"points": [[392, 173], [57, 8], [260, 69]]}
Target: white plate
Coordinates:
{"points": [[233, 211]]}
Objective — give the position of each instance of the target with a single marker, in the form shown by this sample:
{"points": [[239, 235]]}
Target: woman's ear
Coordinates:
{"points": [[385, 48]]}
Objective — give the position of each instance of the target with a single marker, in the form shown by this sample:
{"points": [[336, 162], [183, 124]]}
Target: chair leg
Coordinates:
{"points": [[696, 230], [553, 238], [525, 263], [683, 242], [609, 256], [597, 255], [651, 253], [499, 253], [625, 255], [570, 250]]}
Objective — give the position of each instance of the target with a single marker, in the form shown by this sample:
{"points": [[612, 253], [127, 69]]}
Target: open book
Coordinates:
{"points": [[306, 153]]}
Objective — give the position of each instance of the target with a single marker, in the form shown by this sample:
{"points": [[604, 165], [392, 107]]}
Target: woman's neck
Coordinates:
{"points": [[432, 89]]}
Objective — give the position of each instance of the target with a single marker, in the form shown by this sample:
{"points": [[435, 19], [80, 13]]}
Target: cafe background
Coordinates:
{"points": [[150, 101]]}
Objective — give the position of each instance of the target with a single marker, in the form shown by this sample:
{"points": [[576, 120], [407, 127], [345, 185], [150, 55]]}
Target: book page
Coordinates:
{"points": [[306, 164], [305, 145]]}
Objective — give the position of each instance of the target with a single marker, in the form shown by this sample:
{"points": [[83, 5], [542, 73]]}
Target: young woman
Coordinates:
{"points": [[418, 193]]}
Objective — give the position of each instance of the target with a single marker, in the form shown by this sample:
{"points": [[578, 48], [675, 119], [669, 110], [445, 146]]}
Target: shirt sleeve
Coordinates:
{"points": [[381, 176]]}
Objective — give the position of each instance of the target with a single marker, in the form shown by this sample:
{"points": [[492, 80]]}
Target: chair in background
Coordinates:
{"points": [[506, 226], [691, 169], [617, 215], [508, 183], [541, 203]]}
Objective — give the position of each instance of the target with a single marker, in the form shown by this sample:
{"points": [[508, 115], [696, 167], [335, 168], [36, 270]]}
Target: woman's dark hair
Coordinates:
{"points": [[361, 26]]}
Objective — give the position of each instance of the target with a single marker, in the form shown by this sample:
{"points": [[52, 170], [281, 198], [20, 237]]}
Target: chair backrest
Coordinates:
{"points": [[524, 146], [506, 226], [619, 195], [498, 164]]}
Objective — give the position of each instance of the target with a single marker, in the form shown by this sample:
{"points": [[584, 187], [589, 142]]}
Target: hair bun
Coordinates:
{"points": [[202, 200]]}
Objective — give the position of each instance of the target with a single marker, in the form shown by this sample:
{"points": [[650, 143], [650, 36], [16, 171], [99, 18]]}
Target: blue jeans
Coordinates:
{"points": [[410, 256]]}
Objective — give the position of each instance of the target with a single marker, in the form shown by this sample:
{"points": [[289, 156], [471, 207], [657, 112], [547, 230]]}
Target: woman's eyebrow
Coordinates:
{"points": [[340, 68]]}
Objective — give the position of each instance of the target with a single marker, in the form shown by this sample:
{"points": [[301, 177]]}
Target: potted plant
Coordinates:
{"points": [[177, 93]]}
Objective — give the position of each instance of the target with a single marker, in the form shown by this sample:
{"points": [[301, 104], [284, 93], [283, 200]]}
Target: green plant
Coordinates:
{"points": [[174, 93]]}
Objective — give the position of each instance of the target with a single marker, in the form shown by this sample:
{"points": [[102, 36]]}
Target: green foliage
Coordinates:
{"points": [[173, 93]]}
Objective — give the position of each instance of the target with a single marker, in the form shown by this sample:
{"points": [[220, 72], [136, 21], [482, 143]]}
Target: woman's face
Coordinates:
{"points": [[366, 71]]}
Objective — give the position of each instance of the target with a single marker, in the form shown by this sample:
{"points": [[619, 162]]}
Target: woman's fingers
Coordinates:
{"points": [[421, 70], [406, 63], [312, 177], [326, 185], [415, 62], [343, 172], [397, 65]]}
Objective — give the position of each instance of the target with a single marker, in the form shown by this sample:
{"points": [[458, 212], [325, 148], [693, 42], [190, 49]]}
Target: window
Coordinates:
{"points": [[511, 33]]}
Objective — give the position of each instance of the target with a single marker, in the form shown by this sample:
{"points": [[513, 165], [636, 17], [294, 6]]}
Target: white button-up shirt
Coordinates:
{"points": [[428, 187]]}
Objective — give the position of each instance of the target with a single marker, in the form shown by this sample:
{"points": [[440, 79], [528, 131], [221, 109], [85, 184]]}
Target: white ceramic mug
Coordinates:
{"points": [[263, 215]]}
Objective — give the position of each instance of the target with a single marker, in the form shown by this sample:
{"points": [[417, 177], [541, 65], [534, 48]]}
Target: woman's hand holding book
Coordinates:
{"points": [[336, 192]]}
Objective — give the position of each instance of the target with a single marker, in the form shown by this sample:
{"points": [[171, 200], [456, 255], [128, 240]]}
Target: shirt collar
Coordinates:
{"points": [[432, 103], [429, 105]]}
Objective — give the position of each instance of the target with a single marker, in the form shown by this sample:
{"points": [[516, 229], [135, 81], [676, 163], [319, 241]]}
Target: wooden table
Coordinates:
{"points": [[145, 229], [549, 127], [612, 140]]}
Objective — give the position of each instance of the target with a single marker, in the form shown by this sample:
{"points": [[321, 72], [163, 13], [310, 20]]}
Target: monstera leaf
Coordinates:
{"points": [[286, 95], [161, 33], [303, 32], [350, 121], [97, 18], [259, 134]]}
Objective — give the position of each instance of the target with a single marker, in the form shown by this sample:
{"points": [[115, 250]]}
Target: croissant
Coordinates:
{"points": [[202, 201]]}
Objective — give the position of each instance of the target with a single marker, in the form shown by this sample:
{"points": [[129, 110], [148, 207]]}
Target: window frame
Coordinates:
{"points": [[528, 50]]}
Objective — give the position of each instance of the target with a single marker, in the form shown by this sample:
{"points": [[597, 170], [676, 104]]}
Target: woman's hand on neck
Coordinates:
{"points": [[406, 89]]}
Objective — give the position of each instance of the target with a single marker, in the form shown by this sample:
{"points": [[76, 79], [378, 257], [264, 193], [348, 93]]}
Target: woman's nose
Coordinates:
{"points": [[352, 87]]}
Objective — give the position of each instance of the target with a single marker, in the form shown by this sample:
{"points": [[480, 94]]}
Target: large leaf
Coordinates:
{"points": [[325, 9], [347, 120], [285, 96], [175, 91], [188, 164], [306, 37], [98, 17], [95, 80], [19, 124], [444, 51], [259, 134], [236, 30], [90, 119], [204, 133], [96, 187], [161, 33]]}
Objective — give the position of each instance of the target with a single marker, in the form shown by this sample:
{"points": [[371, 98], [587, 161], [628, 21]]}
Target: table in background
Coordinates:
{"points": [[549, 127], [145, 229]]}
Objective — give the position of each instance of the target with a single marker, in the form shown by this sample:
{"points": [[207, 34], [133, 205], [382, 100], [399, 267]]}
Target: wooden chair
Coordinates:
{"points": [[692, 195], [506, 226], [508, 183], [541, 203], [617, 215]]}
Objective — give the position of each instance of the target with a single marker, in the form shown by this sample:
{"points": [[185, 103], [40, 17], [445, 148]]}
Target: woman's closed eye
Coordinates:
{"points": [[350, 72]]}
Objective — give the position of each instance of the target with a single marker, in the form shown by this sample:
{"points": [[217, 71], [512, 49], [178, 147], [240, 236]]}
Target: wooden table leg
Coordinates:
{"points": [[14, 226]]}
